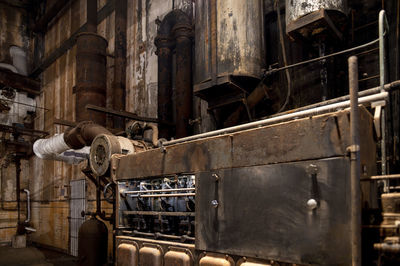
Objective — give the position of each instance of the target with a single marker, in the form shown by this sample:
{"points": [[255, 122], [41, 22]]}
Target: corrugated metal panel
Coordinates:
{"points": [[77, 205]]}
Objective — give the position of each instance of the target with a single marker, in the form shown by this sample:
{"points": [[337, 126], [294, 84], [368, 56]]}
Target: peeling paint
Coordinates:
{"points": [[297, 9]]}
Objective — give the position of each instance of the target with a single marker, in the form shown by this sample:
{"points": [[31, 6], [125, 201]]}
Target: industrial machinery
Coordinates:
{"points": [[223, 199], [277, 191], [230, 52], [294, 188]]}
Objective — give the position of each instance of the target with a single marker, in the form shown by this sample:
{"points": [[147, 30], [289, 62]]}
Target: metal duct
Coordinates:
{"points": [[83, 134], [55, 148], [300, 8], [91, 74], [175, 33], [46, 148], [91, 70], [311, 17], [72, 146], [229, 44]]}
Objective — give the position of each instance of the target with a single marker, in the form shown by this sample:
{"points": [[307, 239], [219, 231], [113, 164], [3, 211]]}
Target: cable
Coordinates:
{"points": [[282, 42], [272, 71]]}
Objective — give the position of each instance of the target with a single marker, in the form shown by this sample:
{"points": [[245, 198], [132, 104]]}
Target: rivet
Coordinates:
{"points": [[312, 204], [216, 176]]}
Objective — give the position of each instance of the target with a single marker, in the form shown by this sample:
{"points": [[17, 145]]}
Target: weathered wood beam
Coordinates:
{"points": [[19, 82], [70, 42], [21, 3], [41, 24]]}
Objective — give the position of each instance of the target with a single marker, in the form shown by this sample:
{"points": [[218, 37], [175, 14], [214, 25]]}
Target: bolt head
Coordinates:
{"points": [[312, 204]]}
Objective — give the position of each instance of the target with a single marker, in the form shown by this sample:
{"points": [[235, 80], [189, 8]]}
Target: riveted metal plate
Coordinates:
{"points": [[262, 212]]}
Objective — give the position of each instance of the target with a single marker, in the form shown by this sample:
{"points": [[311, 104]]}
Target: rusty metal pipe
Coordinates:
{"points": [[28, 206], [83, 134], [91, 74], [119, 86], [390, 86], [175, 32], [91, 15], [164, 86], [286, 117], [18, 185], [183, 81], [355, 163]]}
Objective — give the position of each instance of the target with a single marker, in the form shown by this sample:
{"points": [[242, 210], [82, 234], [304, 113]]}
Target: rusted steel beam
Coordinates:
{"points": [[70, 42], [119, 86], [23, 131], [19, 82], [41, 24], [20, 4], [64, 122], [125, 114]]}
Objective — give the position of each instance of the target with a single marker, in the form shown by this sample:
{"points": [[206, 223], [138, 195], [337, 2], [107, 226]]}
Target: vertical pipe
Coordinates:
{"points": [[28, 206], [18, 185], [91, 76], [213, 41], [355, 163], [91, 15], [118, 97], [164, 85], [383, 30], [183, 80], [98, 195]]}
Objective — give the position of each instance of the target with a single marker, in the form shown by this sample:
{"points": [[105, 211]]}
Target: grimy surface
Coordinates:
{"points": [[317, 137], [258, 206]]}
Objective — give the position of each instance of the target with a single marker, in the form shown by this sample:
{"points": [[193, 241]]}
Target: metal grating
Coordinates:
{"points": [[77, 205]]}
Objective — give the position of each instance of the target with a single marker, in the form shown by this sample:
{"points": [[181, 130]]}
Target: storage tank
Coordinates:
{"points": [[92, 243], [229, 46], [325, 13]]}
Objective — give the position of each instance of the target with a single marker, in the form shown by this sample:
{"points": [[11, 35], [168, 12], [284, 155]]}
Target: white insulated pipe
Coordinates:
{"points": [[48, 148], [55, 148]]}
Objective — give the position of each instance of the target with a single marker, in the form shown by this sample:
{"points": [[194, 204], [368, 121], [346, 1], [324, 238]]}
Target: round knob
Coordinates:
{"points": [[214, 203], [312, 204]]}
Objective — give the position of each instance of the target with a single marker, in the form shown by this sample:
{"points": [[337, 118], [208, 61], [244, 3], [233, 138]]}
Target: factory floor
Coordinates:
{"points": [[34, 256]]}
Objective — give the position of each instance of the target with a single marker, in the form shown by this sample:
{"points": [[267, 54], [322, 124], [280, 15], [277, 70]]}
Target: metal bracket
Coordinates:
{"points": [[377, 116]]}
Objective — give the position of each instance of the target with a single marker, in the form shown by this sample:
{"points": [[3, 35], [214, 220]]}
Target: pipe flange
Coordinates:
{"points": [[182, 30], [102, 148]]}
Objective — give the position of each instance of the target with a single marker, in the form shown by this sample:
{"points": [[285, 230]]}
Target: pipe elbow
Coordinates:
{"points": [[83, 134], [176, 19]]}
